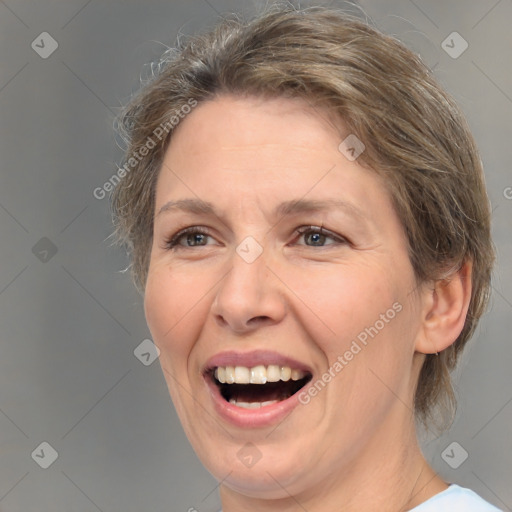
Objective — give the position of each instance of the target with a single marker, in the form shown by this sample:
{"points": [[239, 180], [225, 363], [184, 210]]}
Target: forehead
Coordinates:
{"points": [[246, 124], [274, 149]]}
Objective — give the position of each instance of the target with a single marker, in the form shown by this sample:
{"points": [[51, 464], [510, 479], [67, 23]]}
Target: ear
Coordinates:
{"points": [[445, 306]]}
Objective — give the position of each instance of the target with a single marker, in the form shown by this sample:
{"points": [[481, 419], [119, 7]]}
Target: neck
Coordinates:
{"points": [[390, 475]]}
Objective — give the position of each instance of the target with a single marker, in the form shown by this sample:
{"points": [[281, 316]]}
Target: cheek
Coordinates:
{"points": [[172, 303], [368, 344], [345, 301]]}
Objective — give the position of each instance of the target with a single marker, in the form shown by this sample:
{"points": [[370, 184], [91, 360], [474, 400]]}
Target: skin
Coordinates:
{"points": [[353, 447]]}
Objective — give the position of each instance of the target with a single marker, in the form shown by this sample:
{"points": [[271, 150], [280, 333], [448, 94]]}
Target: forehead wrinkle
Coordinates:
{"points": [[196, 206], [284, 209], [317, 205]]}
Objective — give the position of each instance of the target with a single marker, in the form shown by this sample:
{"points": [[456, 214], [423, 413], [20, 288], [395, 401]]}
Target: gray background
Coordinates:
{"points": [[70, 321]]}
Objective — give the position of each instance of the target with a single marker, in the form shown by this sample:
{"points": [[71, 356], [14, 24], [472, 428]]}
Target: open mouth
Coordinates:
{"points": [[259, 386]]}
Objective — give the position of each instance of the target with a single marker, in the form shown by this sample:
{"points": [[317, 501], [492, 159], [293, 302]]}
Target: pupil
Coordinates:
{"points": [[195, 239], [316, 238]]}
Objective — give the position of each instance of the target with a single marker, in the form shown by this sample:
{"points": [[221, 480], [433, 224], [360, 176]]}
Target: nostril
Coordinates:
{"points": [[221, 320], [242, 326], [258, 319]]}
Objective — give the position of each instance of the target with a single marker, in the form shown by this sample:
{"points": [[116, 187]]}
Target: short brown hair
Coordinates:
{"points": [[414, 133]]}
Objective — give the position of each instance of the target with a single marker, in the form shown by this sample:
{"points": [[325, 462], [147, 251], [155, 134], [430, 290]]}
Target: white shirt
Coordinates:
{"points": [[455, 499]]}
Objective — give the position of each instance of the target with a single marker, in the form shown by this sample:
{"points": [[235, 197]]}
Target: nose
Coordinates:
{"points": [[249, 297]]}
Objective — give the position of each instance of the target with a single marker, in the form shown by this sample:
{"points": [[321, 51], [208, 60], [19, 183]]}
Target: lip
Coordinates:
{"points": [[252, 418], [253, 358]]}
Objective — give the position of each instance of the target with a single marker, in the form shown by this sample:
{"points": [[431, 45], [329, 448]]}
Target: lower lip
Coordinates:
{"points": [[252, 418]]}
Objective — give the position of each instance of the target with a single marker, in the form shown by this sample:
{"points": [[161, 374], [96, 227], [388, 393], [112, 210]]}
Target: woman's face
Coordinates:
{"points": [[255, 291]]}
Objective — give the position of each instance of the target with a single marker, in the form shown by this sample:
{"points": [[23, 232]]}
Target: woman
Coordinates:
{"points": [[308, 221]]}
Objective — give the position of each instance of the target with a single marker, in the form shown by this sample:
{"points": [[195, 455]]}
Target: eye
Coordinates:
{"points": [[194, 236], [319, 236], [197, 236]]}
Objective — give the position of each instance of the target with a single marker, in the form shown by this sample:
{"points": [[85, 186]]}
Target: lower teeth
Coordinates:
{"points": [[252, 405]]}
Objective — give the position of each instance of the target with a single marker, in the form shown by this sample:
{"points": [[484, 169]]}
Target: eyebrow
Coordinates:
{"points": [[286, 208]]}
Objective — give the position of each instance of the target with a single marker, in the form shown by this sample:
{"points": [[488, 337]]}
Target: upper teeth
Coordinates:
{"points": [[257, 374]]}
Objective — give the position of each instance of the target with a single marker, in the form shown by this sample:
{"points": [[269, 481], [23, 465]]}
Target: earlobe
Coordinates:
{"points": [[446, 306]]}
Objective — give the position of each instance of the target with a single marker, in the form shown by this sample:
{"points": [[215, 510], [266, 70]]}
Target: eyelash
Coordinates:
{"points": [[172, 243]]}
